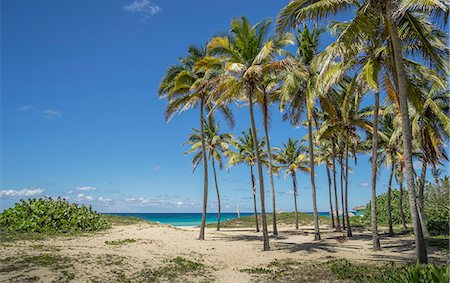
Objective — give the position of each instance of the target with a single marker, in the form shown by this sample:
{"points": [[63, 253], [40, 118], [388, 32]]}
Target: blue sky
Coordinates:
{"points": [[80, 116]]}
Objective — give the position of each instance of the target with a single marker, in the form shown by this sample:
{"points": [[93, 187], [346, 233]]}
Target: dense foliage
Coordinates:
{"points": [[51, 215], [437, 209], [382, 208]]}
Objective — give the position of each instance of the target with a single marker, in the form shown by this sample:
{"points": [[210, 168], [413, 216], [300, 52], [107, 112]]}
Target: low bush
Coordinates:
{"points": [[51, 215]]}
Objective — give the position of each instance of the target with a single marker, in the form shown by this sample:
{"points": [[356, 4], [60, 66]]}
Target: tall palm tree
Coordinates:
{"points": [[325, 154], [299, 95], [244, 153], [185, 87], [216, 144], [348, 120], [391, 155], [292, 157], [269, 86], [431, 129], [247, 55]]}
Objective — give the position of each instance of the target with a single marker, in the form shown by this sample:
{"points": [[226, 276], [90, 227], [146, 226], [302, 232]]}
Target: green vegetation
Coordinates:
{"points": [[344, 270], [54, 262], [175, 268], [120, 242], [47, 215], [123, 220], [283, 218], [436, 208]]}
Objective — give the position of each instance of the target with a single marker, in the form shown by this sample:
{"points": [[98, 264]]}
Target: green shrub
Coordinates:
{"points": [[51, 215], [382, 208], [437, 209]]}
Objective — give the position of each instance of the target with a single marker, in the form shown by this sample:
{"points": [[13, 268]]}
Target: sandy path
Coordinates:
{"points": [[226, 251]]}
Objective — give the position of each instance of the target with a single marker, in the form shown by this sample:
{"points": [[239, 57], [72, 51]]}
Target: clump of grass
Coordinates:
{"points": [[256, 270], [175, 268], [110, 259], [42, 247], [120, 242], [344, 270], [54, 262]]}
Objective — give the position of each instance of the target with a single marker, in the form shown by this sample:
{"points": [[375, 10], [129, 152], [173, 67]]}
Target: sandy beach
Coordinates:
{"points": [[132, 251]]}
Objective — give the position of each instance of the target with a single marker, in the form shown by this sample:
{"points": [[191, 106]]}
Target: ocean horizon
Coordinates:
{"points": [[180, 219]]}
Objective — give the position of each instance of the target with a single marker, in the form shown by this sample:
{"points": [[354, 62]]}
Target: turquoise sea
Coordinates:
{"points": [[189, 219]]}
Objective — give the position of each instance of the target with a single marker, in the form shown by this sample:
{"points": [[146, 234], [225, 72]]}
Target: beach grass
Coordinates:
{"points": [[288, 270], [118, 220], [283, 218]]}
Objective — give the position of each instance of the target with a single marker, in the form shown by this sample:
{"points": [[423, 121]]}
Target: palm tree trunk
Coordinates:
{"points": [[269, 153], [260, 174], [329, 193], [375, 237], [338, 224], [254, 198], [420, 202], [294, 183], [391, 230], [218, 194], [402, 213], [313, 182], [205, 172], [421, 250], [347, 217], [341, 167]]}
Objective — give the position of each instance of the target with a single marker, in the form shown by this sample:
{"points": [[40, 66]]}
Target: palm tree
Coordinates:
{"points": [[269, 87], [399, 174], [293, 157], [245, 154], [391, 155], [185, 87], [299, 95], [247, 56], [431, 128], [216, 145], [325, 154]]}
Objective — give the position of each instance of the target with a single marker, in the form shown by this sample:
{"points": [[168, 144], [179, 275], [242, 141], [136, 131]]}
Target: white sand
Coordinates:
{"points": [[227, 251]]}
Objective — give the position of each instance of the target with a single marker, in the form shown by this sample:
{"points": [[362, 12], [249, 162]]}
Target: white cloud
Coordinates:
{"points": [[21, 193], [364, 184], [144, 8], [25, 108], [156, 168], [102, 199], [51, 114], [82, 197], [86, 188]]}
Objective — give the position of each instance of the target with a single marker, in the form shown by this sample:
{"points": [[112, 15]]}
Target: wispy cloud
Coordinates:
{"points": [[25, 108], [104, 201], [86, 188], [82, 197], [144, 8], [21, 193], [51, 114], [364, 184], [156, 168]]}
